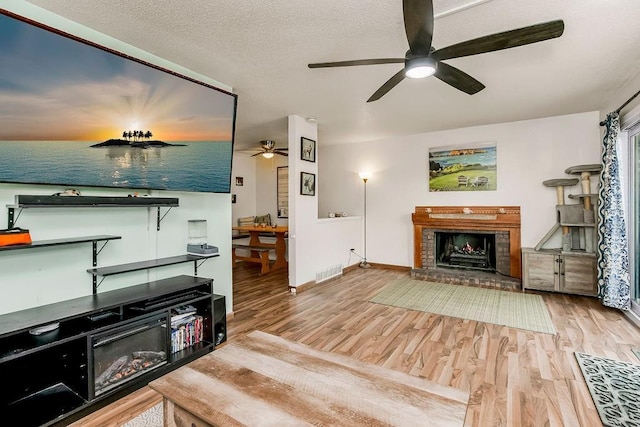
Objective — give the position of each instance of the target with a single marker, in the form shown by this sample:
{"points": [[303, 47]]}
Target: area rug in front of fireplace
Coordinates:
{"points": [[614, 387], [513, 309]]}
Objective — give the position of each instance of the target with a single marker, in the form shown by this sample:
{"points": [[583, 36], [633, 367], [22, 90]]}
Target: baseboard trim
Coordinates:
{"points": [[308, 285], [390, 267], [303, 287], [350, 268]]}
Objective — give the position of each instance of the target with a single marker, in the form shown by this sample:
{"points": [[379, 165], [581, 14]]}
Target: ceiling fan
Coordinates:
{"points": [[269, 149], [423, 60]]}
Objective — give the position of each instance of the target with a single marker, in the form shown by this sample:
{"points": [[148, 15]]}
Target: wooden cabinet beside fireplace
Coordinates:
{"points": [[557, 271]]}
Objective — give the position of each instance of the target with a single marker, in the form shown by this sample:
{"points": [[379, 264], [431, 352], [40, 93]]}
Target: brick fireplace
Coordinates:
{"points": [[442, 251]]}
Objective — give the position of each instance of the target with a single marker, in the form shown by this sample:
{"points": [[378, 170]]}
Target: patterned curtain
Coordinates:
{"points": [[614, 287]]}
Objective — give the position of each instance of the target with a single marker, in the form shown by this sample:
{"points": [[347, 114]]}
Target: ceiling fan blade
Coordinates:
{"points": [[357, 62], [281, 153], [390, 84], [505, 40], [418, 25], [257, 154], [458, 79]]}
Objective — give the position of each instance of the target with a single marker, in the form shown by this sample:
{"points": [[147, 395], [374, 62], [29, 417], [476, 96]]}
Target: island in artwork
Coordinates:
{"points": [[136, 139]]}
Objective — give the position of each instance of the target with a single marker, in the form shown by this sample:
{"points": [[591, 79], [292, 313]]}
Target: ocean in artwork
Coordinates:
{"points": [[196, 166], [483, 155]]}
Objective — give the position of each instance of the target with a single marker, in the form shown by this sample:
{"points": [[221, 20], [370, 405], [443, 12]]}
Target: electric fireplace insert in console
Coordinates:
{"points": [[123, 354]]}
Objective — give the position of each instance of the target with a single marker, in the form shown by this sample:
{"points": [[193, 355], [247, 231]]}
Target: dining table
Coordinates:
{"points": [[279, 231]]}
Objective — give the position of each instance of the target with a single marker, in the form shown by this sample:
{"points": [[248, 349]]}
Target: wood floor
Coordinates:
{"points": [[514, 377]]}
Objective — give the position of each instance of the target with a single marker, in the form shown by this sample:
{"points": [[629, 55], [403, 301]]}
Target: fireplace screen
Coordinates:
{"points": [[466, 250], [123, 354]]}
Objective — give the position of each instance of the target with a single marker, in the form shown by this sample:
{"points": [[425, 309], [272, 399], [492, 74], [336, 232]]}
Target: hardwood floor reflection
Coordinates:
{"points": [[514, 377]]}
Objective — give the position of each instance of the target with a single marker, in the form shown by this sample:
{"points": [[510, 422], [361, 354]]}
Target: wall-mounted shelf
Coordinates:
{"points": [[35, 201], [23, 201], [145, 265], [68, 241], [60, 242]]}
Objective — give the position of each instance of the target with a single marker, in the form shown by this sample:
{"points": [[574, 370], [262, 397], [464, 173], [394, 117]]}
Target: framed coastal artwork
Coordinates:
{"points": [[463, 167], [73, 113]]}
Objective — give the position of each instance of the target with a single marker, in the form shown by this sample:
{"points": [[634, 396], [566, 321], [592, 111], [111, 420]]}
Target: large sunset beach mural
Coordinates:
{"points": [[76, 115]]}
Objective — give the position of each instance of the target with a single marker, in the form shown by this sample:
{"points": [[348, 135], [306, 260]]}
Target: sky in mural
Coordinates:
{"points": [[53, 88]]}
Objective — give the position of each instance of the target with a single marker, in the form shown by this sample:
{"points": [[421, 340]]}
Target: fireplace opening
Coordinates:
{"points": [[122, 354], [466, 250]]}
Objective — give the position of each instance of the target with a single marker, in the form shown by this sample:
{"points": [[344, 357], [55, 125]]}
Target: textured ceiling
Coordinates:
{"points": [[262, 49]]}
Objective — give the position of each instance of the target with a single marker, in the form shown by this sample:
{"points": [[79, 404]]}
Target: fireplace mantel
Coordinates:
{"points": [[476, 218]]}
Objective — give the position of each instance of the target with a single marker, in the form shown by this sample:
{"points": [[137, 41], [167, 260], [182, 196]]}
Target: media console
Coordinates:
{"points": [[61, 361]]}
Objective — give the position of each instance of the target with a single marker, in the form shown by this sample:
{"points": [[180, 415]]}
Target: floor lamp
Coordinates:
{"points": [[365, 178]]}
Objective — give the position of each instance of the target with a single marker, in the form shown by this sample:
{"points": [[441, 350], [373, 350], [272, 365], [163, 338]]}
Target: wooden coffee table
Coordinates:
{"points": [[264, 380]]}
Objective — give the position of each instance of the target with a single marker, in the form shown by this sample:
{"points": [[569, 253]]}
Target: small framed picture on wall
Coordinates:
{"points": [[307, 149], [239, 181], [307, 184]]}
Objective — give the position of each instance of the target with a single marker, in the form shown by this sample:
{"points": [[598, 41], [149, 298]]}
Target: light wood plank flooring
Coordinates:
{"points": [[514, 377]]}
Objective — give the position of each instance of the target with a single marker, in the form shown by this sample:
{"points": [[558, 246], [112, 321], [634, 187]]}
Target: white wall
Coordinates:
{"points": [[529, 152], [41, 276], [266, 187], [243, 166]]}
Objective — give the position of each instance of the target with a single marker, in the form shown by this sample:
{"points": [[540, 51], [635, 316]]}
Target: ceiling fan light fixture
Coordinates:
{"points": [[267, 155], [419, 67]]}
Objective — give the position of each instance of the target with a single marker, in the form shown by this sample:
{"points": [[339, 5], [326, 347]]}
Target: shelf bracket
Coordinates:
{"points": [[161, 218], [100, 250], [196, 265], [96, 252], [97, 284], [12, 217]]}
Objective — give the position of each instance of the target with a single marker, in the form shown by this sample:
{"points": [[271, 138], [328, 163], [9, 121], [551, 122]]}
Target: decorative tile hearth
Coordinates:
{"points": [[502, 223], [466, 277]]}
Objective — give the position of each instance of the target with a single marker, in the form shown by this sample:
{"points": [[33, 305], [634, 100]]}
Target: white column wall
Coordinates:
{"points": [[315, 245], [528, 152]]}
